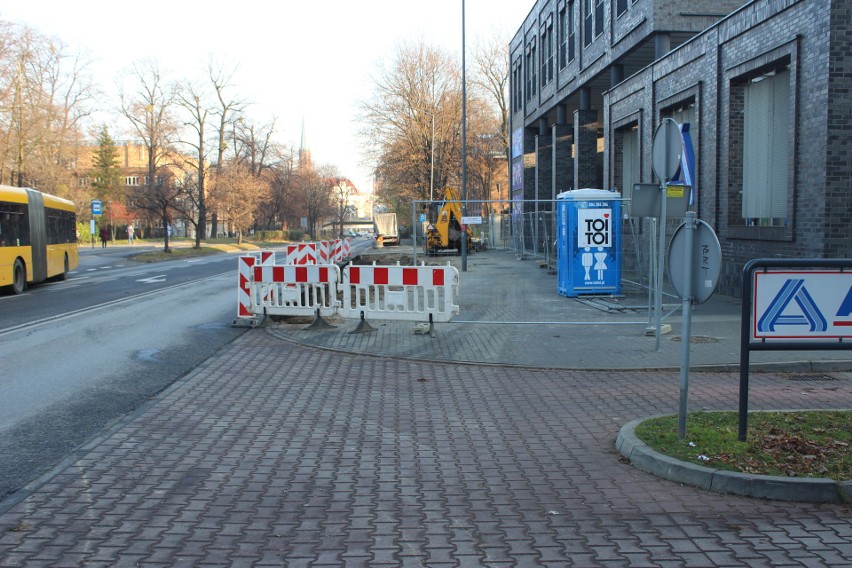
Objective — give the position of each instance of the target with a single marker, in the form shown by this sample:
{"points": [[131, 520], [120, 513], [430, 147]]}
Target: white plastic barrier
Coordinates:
{"points": [[294, 290], [400, 292], [320, 252], [245, 266], [302, 253]]}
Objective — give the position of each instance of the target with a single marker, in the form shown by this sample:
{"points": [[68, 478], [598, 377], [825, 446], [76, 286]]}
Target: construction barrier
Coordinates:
{"points": [[302, 253], [320, 252], [415, 293], [245, 266], [294, 290]]}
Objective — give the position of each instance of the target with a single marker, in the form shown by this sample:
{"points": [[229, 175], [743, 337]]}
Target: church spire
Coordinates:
{"points": [[304, 152]]}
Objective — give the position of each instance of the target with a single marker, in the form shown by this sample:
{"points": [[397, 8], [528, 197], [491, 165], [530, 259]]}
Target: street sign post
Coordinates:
{"points": [[666, 151], [97, 210], [695, 262], [793, 304]]}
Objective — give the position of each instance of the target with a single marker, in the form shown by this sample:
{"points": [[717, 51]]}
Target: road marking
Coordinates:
{"points": [[153, 279]]}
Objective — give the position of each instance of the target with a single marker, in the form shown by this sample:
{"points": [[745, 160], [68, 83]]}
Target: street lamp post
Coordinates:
{"points": [[464, 153], [432, 162]]}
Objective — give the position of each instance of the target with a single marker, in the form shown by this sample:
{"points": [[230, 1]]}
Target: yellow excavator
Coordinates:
{"points": [[444, 230]]}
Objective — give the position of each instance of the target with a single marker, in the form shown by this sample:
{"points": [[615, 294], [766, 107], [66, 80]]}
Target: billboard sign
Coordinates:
{"points": [[801, 305]]}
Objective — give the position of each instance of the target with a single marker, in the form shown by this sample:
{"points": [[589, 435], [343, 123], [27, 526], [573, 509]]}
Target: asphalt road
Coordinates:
{"points": [[76, 356]]}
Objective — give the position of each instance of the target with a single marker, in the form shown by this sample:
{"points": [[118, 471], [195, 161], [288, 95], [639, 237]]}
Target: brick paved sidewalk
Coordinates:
{"points": [[499, 298], [275, 454]]}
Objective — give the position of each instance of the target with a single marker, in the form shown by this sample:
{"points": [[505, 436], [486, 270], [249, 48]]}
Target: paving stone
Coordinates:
{"points": [[277, 453]]}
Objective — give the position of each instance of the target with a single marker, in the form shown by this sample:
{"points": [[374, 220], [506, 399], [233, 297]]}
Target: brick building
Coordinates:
{"points": [[765, 86]]}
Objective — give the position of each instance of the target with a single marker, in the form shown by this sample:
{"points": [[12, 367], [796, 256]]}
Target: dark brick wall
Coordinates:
{"points": [[563, 136], [814, 38], [838, 159]]}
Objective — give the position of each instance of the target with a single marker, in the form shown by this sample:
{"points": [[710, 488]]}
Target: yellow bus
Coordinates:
{"points": [[38, 237]]}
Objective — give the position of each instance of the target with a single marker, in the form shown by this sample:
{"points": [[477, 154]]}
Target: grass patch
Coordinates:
{"points": [[176, 253], [788, 444]]}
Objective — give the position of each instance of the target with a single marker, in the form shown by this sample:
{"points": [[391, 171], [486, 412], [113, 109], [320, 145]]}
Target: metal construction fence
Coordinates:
{"points": [[529, 229]]}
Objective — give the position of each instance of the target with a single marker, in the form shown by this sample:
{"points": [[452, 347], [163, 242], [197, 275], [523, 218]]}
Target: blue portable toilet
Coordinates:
{"points": [[588, 242]]}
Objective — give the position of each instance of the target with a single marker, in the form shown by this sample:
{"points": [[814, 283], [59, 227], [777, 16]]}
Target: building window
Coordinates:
{"points": [[131, 180], [766, 150], [567, 34], [588, 22], [530, 66], [631, 157], [547, 52], [599, 17], [621, 7], [518, 83]]}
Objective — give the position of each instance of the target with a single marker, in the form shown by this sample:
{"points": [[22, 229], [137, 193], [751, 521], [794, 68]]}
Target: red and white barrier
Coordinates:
{"points": [[245, 266], [400, 292], [302, 253], [320, 252], [294, 290]]}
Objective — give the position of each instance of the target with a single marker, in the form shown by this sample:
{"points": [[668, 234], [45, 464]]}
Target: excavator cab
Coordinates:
{"points": [[444, 230]]}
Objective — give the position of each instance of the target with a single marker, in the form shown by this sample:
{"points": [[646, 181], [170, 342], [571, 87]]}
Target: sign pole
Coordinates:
{"points": [[666, 152], [661, 251], [686, 329]]}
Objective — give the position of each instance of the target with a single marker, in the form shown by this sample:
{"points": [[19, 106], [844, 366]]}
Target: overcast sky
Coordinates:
{"points": [[297, 60]]}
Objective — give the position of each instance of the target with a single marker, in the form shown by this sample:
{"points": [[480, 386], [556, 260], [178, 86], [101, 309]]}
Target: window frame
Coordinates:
{"points": [[735, 80]]}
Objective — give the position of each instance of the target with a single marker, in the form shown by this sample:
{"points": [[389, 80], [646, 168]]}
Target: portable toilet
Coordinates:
{"points": [[588, 242]]}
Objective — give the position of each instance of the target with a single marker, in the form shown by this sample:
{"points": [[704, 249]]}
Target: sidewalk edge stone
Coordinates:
{"points": [[814, 490]]}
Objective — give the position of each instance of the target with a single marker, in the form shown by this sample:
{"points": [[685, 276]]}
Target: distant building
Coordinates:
{"points": [[133, 163], [765, 86]]}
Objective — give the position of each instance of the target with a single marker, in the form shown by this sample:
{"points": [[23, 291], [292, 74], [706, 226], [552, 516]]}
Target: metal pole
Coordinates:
{"points": [[415, 226], [686, 331], [464, 153], [432, 162], [745, 352], [661, 251]]}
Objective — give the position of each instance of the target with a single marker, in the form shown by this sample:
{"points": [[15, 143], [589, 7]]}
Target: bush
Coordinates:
{"points": [[269, 236], [296, 235], [84, 235]]}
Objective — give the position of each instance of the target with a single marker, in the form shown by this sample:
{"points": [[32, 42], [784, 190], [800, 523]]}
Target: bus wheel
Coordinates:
{"points": [[64, 274], [19, 278]]}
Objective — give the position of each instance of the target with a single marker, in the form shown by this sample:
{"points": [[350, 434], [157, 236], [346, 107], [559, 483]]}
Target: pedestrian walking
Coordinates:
{"points": [[104, 237], [130, 234]]}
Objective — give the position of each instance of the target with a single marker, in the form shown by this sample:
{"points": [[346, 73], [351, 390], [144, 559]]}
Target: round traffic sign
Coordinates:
{"points": [[667, 149], [706, 262]]}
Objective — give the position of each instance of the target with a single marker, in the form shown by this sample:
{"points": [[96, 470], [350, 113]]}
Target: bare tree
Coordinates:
{"points": [[149, 111], [412, 124], [235, 189], [491, 78], [227, 111], [341, 192], [314, 192], [194, 104], [279, 208], [45, 93]]}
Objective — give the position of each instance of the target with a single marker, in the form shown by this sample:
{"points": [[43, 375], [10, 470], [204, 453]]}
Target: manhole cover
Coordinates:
{"points": [[811, 378], [697, 339]]}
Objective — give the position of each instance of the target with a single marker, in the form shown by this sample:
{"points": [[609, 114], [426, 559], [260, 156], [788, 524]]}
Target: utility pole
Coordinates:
{"points": [[464, 154]]}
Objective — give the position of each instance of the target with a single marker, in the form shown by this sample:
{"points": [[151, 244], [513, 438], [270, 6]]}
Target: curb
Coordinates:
{"points": [[813, 490]]}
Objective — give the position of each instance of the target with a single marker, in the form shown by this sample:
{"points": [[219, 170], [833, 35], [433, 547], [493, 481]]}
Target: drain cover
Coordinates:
{"points": [[697, 339], [811, 378]]}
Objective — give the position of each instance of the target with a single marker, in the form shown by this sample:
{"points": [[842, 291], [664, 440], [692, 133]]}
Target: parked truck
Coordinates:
{"points": [[387, 230]]}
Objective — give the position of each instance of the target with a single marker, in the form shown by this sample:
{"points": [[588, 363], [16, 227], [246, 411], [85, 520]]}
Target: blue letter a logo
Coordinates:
{"points": [[793, 289]]}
